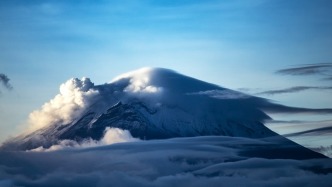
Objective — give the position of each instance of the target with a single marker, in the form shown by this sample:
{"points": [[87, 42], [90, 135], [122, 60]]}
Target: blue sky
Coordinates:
{"points": [[232, 43]]}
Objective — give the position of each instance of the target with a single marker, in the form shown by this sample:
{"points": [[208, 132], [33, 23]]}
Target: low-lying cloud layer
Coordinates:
{"points": [[111, 136], [199, 161]]}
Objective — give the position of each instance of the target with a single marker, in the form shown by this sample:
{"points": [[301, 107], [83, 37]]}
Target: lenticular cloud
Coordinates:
{"points": [[139, 81], [74, 97]]}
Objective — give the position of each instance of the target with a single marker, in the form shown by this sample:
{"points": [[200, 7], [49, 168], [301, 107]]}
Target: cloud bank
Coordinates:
{"points": [[111, 136], [200, 161]]}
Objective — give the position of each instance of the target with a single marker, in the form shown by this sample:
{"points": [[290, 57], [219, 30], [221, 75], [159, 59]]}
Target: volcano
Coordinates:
{"points": [[150, 103]]}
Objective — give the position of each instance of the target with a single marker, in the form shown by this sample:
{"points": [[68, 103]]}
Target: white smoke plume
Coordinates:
{"points": [[77, 95], [74, 97]]}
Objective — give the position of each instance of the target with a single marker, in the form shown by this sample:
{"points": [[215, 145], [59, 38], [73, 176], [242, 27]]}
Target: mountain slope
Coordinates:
{"points": [[151, 103]]}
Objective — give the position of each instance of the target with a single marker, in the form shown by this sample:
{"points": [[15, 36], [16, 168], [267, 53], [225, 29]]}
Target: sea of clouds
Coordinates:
{"points": [[199, 161]]}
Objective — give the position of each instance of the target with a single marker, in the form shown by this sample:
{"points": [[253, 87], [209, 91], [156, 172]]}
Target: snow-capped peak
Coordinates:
{"points": [[151, 103]]}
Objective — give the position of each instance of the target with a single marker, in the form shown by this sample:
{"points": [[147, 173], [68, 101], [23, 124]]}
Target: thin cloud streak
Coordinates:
{"points": [[282, 109], [323, 70], [294, 90], [284, 127], [328, 78], [309, 69], [317, 131]]}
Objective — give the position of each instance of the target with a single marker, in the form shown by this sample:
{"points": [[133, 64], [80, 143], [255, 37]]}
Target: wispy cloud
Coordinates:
{"points": [[317, 131], [282, 109], [294, 89], [222, 94], [322, 69], [4, 80], [284, 127], [328, 78]]}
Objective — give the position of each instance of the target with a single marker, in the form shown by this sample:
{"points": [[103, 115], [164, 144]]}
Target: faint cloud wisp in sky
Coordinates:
{"points": [[322, 69], [294, 90], [4, 80]]}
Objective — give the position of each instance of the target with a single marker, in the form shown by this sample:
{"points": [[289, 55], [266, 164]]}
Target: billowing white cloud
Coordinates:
{"points": [[74, 97], [116, 135], [111, 136]]}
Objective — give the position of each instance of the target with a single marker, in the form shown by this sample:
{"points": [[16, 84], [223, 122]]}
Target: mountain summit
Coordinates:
{"points": [[150, 103]]}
